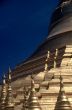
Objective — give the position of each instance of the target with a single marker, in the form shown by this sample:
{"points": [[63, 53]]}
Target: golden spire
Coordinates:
{"points": [[55, 58], [33, 99], [62, 100], [9, 98], [3, 94], [25, 101], [46, 61]]}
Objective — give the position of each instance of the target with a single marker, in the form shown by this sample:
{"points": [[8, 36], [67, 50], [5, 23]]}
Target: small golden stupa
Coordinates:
{"points": [[62, 100], [33, 99]]}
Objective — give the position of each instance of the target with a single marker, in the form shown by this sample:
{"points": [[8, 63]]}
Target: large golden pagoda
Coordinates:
{"points": [[52, 57]]}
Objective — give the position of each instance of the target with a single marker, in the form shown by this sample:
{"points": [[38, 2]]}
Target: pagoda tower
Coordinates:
{"points": [[53, 57]]}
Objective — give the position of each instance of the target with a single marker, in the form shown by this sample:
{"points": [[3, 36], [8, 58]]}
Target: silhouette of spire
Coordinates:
{"points": [[9, 98], [33, 99], [3, 94], [62, 100]]}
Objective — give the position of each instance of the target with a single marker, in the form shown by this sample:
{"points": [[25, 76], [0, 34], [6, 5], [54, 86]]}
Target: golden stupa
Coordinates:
{"points": [[52, 57]]}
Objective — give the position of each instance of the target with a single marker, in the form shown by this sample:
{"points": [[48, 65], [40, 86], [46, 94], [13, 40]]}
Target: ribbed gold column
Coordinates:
{"points": [[9, 98], [62, 101], [33, 99], [3, 94]]}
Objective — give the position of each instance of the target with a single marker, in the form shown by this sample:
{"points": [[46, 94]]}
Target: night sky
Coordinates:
{"points": [[23, 27]]}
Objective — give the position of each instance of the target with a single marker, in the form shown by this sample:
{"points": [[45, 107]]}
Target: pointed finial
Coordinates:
{"points": [[46, 61], [4, 79], [48, 55], [9, 69], [61, 79], [33, 99], [9, 98], [62, 101], [9, 73], [56, 54], [3, 94], [61, 84], [32, 83], [55, 58]]}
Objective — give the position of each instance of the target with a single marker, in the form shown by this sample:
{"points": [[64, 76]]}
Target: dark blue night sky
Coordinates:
{"points": [[23, 26]]}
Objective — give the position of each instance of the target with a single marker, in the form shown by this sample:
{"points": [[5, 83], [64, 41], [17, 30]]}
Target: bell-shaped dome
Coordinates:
{"points": [[62, 18]]}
